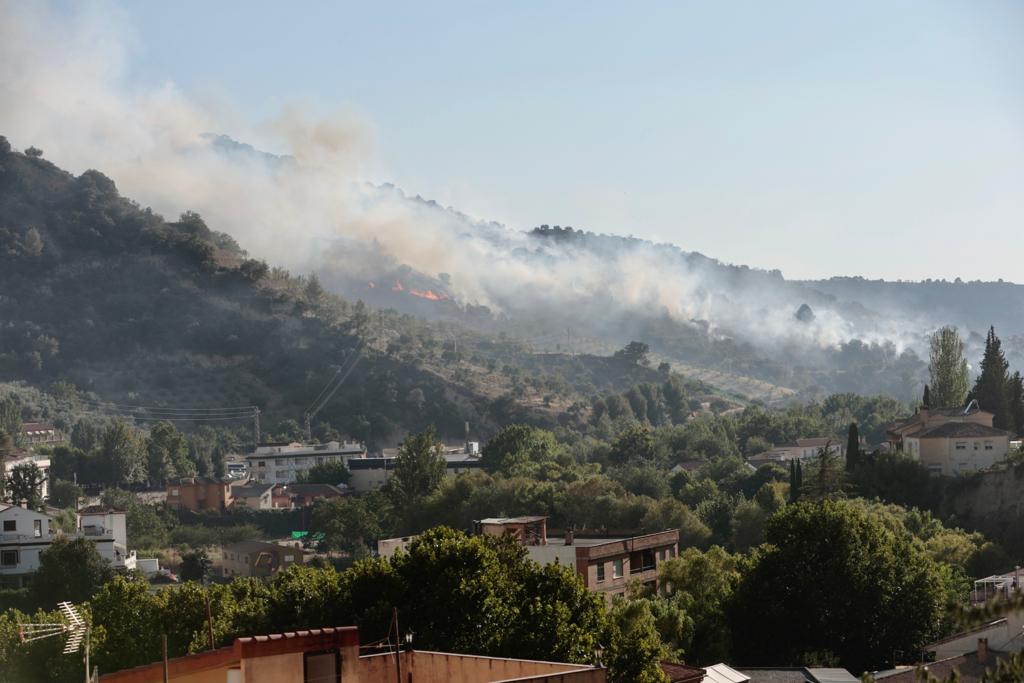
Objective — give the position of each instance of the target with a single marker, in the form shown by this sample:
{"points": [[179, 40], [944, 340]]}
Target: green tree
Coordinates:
{"points": [[634, 445], [926, 399], [947, 368], [853, 454], [124, 452], [518, 444], [634, 651], [828, 477], [10, 419], [333, 472], [167, 454], [346, 523], [69, 570], [196, 565], [65, 494], [990, 389], [635, 352], [25, 484], [871, 590], [702, 584], [419, 469], [1016, 401]]}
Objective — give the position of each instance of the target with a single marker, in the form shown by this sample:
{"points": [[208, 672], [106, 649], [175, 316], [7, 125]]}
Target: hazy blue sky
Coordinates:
{"points": [[875, 138]]}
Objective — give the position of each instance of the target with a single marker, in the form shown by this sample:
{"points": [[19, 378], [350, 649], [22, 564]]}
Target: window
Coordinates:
{"points": [[8, 558], [321, 667], [37, 528], [961, 445], [976, 445], [600, 573], [988, 445], [174, 492], [289, 558], [616, 569], [10, 525]]}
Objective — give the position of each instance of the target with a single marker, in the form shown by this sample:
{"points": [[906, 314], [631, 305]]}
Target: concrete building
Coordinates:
{"points": [[370, 474], [25, 534], [952, 448], [254, 497], [605, 564], [333, 654], [256, 558], [304, 495], [41, 433], [928, 418], [283, 463], [202, 494]]}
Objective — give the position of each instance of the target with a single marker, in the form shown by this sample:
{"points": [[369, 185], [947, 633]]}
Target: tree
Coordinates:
{"points": [[10, 419], [347, 524], [926, 399], [124, 453], [828, 477], [872, 591], [332, 472], [196, 565], [634, 650], [1016, 401], [33, 152], [633, 446], [947, 368], [419, 469], [65, 494], [25, 483], [33, 244], [702, 584], [69, 570], [853, 455], [167, 454], [990, 389], [635, 352], [518, 444]]}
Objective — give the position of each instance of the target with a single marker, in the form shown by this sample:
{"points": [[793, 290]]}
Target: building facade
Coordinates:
{"points": [[257, 558], [286, 463], [954, 448], [201, 494]]}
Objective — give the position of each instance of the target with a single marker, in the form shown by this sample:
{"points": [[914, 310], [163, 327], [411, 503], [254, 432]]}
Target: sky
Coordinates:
{"points": [[883, 139]]}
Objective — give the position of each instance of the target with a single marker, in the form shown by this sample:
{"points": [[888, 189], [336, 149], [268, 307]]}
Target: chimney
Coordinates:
{"points": [[982, 650], [568, 536]]}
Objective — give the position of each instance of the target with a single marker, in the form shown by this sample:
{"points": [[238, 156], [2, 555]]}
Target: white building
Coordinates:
{"points": [[25, 534], [8, 463], [283, 463], [370, 474]]}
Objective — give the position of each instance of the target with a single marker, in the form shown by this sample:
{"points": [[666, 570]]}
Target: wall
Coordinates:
{"points": [[286, 668], [441, 667]]}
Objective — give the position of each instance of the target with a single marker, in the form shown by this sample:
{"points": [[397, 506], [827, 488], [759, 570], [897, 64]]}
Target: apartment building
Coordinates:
{"points": [[284, 463], [257, 558]]}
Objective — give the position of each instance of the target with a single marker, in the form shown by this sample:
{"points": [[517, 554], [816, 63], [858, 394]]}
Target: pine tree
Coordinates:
{"points": [[1016, 401], [948, 369], [853, 456], [990, 389], [926, 400]]}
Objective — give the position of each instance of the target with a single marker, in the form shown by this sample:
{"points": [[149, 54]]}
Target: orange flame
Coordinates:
{"points": [[397, 287], [429, 295]]}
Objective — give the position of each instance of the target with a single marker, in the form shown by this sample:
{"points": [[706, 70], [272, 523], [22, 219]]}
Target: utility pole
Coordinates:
{"points": [[256, 424], [167, 675], [398, 645]]}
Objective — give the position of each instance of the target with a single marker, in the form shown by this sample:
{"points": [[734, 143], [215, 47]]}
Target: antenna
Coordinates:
{"points": [[77, 629]]}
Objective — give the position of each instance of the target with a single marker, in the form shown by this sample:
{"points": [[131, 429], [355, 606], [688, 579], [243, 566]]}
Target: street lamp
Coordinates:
{"points": [[599, 656], [408, 640]]}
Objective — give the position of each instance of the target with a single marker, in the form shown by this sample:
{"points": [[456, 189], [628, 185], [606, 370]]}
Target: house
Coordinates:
{"points": [[334, 654], [304, 495], [202, 494], [254, 497], [40, 433], [20, 457], [970, 666], [927, 418], [257, 558], [954, 447], [284, 463], [25, 534], [386, 547], [108, 529], [606, 565], [798, 674], [681, 673]]}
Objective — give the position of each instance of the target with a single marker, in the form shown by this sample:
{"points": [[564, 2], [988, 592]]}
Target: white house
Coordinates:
{"points": [[284, 463], [25, 534], [8, 463]]}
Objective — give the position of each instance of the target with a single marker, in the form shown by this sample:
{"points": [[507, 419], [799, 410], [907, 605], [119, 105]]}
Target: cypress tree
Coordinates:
{"points": [[853, 458], [799, 478], [794, 487], [926, 400], [990, 389], [1016, 400]]}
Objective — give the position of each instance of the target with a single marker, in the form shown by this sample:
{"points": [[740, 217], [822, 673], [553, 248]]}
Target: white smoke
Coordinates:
{"points": [[65, 87]]}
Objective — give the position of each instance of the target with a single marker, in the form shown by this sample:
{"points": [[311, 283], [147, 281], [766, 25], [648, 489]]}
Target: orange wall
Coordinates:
{"points": [[274, 669]]}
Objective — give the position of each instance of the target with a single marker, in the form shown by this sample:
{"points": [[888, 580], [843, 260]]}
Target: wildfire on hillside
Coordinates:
{"points": [[429, 294], [397, 287]]}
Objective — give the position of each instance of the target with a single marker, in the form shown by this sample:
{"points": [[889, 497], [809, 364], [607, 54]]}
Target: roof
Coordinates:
{"points": [[100, 510], [722, 673], [254, 491], [817, 441], [949, 430], [833, 675], [314, 490], [956, 636], [792, 674], [37, 427], [680, 673], [971, 670], [513, 520], [253, 546]]}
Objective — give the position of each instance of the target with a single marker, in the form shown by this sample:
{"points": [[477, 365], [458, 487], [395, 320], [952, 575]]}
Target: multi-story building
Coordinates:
{"points": [[41, 433], [25, 534], [321, 655], [606, 565], [929, 418], [285, 462], [257, 558], [370, 474], [199, 494], [22, 457]]}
